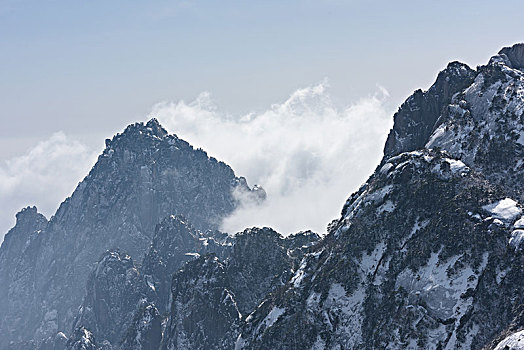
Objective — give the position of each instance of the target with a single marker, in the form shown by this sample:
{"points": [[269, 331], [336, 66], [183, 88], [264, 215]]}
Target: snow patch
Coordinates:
{"points": [[505, 209], [517, 237], [300, 274], [521, 137], [348, 310], [389, 206], [436, 134], [272, 317], [386, 168], [519, 223], [513, 342], [456, 166]]}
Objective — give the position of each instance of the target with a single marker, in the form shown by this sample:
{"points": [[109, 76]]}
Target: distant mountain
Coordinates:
{"points": [[143, 175]]}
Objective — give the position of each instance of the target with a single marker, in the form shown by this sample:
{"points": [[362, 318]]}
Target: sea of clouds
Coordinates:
{"points": [[307, 154]]}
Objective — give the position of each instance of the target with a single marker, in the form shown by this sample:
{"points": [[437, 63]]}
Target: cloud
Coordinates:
{"points": [[44, 177], [306, 153]]}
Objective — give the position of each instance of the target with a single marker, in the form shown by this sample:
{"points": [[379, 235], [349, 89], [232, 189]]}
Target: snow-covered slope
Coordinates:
{"points": [[427, 254]]}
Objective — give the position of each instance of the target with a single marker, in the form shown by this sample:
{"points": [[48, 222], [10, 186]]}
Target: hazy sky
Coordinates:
{"points": [[74, 72]]}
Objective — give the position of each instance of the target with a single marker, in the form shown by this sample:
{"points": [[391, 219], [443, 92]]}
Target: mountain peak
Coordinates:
{"points": [[28, 214], [151, 129], [156, 127], [513, 56]]}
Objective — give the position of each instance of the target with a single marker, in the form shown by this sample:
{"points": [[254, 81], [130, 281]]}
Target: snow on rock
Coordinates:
{"points": [[456, 165], [517, 237], [386, 168], [513, 342], [519, 223], [388, 206], [504, 209], [433, 284], [348, 310], [272, 317]]}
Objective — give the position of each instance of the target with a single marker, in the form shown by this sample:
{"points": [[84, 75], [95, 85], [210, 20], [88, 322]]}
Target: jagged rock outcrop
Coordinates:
{"points": [[143, 175], [416, 118], [204, 313], [120, 296], [261, 262], [480, 121], [176, 241], [145, 332], [254, 263], [82, 339], [17, 268], [115, 291], [419, 259]]}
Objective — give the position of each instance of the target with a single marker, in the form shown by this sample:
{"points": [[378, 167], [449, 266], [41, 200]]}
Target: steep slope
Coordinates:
{"points": [[176, 241], [124, 304], [416, 261], [428, 253], [416, 118], [211, 299], [481, 122], [17, 259], [115, 289], [120, 296], [204, 314], [143, 175]]}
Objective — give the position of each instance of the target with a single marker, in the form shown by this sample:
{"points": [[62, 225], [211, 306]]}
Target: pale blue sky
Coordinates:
{"points": [[88, 68], [93, 66]]}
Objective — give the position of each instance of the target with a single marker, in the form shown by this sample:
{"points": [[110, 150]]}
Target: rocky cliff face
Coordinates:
{"points": [[143, 175], [17, 266], [478, 120], [196, 284], [211, 299], [123, 299], [428, 253]]}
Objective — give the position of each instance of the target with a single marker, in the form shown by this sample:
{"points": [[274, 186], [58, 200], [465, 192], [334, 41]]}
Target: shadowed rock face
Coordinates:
{"points": [[115, 289], [82, 339], [515, 55], [211, 299], [416, 119], [143, 175], [246, 267], [476, 116], [204, 313], [145, 332]]}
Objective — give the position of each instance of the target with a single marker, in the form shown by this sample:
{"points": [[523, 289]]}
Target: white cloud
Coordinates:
{"points": [[44, 177], [306, 153]]}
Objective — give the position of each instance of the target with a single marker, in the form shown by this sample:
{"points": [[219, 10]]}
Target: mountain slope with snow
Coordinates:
{"points": [[427, 254]]}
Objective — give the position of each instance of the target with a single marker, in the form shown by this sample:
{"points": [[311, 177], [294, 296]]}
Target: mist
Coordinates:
{"points": [[44, 176], [308, 154], [305, 152]]}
